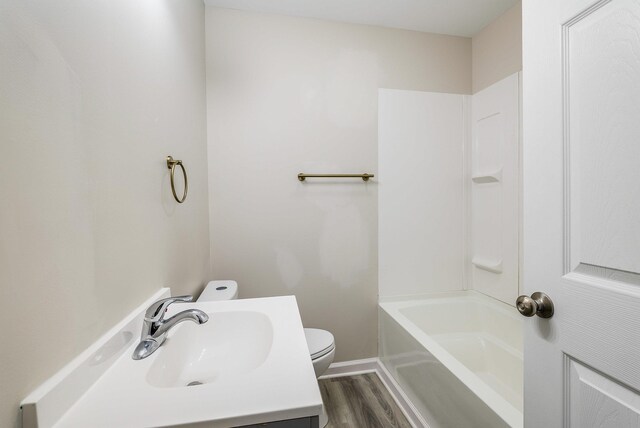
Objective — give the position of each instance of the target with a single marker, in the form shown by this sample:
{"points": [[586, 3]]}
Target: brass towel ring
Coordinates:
{"points": [[171, 164]]}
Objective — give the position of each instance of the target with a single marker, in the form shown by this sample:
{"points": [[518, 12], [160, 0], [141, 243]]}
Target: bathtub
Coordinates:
{"points": [[457, 356]]}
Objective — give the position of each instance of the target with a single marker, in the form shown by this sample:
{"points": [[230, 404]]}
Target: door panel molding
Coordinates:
{"points": [[593, 399], [595, 195], [566, 135]]}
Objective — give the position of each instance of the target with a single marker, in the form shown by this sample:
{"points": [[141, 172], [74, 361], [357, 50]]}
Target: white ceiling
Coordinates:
{"points": [[454, 17]]}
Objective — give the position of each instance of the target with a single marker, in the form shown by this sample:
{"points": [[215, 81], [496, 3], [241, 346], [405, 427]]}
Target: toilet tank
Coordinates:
{"points": [[219, 290]]}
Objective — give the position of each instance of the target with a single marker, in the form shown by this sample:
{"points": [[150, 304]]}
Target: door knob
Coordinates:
{"points": [[538, 304]]}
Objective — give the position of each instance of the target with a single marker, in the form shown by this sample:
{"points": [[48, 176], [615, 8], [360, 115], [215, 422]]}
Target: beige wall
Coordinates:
{"points": [[287, 95], [497, 49], [93, 96]]}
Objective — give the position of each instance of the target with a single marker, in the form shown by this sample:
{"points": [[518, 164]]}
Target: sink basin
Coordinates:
{"points": [[230, 344]]}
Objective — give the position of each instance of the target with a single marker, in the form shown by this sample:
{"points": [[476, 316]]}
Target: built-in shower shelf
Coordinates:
{"points": [[488, 178], [494, 266]]}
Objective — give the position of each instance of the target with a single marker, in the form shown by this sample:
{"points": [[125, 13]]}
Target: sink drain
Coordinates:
{"points": [[194, 383]]}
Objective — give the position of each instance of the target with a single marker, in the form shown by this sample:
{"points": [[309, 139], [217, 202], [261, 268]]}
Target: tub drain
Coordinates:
{"points": [[194, 383]]}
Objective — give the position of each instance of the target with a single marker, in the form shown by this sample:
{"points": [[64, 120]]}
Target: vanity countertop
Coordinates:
{"points": [[280, 384]]}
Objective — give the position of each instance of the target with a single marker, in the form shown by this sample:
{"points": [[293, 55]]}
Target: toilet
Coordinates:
{"points": [[321, 347], [321, 344]]}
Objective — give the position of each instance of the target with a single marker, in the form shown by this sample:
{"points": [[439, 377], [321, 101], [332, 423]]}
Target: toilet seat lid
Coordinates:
{"points": [[320, 342]]}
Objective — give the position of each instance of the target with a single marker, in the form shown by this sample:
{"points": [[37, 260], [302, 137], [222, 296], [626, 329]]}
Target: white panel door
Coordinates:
{"points": [[581, 203]]}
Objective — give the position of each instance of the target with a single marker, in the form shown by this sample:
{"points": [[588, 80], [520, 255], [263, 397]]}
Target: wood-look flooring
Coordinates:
{"points": [[360, 401]]}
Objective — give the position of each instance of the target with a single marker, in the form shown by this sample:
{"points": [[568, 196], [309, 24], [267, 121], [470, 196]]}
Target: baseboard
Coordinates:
{"points": [[369, 365], [350, 368]]}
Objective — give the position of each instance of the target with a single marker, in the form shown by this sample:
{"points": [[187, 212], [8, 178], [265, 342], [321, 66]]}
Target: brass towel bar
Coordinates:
{"points": [[365, 176]]}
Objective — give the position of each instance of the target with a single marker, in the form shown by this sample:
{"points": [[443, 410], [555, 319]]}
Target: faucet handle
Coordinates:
{"points": [[155, 312]]}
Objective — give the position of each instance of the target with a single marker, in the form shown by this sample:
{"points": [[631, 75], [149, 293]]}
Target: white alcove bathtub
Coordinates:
{"points": [[457, 356]]}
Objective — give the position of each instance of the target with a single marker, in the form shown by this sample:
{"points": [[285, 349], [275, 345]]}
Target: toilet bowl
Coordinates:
{"points": [[321, 343], [321, 347]]}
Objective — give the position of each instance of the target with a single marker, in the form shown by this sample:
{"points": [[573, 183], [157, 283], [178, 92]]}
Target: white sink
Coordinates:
{"points": [[250, 363], [230, 343]]}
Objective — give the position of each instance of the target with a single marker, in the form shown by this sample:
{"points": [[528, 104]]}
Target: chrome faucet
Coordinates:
{"points": [[155, 327]]}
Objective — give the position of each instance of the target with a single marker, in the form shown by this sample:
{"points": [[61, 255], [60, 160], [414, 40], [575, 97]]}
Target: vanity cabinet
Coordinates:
{"points": [[310, 422]]}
